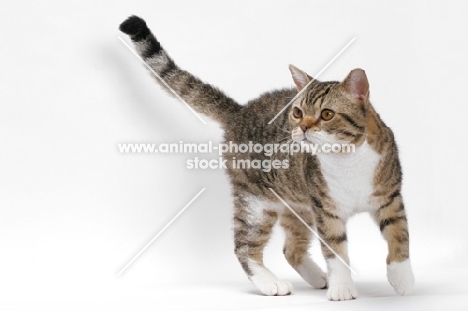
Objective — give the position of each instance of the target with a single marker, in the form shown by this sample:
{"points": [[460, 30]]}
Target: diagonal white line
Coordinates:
{"points": [[162, 81], [313, 79], [160, 232], [313, 231]]}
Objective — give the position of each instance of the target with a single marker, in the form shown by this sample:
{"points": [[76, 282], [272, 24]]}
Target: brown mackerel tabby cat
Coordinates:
{"points": [[324, 189]]}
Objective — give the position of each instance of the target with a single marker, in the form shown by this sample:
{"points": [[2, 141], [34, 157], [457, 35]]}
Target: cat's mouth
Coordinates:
{"points": [[304, 139]]}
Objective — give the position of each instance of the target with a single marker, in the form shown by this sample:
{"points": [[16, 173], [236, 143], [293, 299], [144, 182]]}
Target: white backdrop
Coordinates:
{"points": [[74, 211]]}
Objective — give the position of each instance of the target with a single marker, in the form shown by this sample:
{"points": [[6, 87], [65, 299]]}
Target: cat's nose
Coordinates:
{"points": [[305, 127], [306, 123]]}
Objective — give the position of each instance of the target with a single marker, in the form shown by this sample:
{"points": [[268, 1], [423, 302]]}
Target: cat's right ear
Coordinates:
{"points": [[356, 86], [300, 78]]}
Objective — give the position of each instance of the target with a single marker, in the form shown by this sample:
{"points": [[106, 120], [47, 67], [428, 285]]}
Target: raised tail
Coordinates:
{"points": [[202, 97]]}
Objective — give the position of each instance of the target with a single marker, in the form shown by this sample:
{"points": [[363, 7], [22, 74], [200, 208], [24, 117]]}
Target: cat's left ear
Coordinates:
{"points": [[356, 86], [300, 78]]}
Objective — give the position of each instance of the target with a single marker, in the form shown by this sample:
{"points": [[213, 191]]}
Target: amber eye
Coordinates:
{"points": [[297, 113], [327, 114]]}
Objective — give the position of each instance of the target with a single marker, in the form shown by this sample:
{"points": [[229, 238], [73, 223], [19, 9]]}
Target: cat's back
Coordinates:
{"points": [[251, 123], [271, 102]]}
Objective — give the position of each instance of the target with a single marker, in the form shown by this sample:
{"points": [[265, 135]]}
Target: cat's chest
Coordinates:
{"points": [[350, 179]]}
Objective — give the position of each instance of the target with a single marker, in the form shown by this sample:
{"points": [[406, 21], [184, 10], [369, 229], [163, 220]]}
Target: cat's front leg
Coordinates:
{"points": [[391, 217], [332, 230]]}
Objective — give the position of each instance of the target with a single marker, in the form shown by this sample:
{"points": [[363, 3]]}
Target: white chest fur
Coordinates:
{"points": [[350, 178]]}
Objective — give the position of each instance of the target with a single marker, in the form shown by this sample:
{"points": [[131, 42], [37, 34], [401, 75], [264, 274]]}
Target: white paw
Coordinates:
{"points": [[342, 291], [267, 282], [275, 288], [340, 284], [319, 281], [401, 276], [312, 274]]}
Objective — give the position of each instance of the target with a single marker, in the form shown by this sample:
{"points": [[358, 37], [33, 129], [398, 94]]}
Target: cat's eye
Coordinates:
{"points": [[297, 113], [327, 114]]}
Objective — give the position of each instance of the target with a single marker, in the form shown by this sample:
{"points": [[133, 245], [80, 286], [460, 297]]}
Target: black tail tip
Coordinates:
{"points": [[135, 27]]}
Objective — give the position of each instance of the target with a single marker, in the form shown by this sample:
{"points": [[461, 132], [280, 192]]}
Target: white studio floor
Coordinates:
{"points": [[444, 295]]}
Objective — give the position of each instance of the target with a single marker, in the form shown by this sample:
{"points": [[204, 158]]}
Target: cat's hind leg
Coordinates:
{"points": [[296, 246], [253, 224]]}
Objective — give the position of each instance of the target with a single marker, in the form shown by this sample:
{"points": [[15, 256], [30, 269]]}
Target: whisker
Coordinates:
{"points": [[281, 128], [289, 136]]}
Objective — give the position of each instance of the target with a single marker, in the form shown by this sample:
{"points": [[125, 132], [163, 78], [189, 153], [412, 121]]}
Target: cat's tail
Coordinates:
{"points": [[203, 97]]}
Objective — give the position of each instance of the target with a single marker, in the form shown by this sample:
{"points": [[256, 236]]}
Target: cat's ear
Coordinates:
{"points": [[300, 78], [356, 86]]}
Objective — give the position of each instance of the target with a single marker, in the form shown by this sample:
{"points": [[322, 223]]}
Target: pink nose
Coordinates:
{"points": [[304, 127]]}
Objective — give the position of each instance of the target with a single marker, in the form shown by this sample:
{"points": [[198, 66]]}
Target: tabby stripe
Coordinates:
{"points": [[346, 133], [238, 243], [320, 98], [320, 231], [261, 231], [351, 121], [170, 66], [337, 239], [242, 232], [382, 193], [242, 221], [319, 220], [317, 202], [321, 215], [320, 94], [397, 182], [328, 214], [394, 195], [303, 104], [308, 94], [357, 138], [363, 110], [389, 221], [332, 239], [320, 191], [315, 95], [153, 46], [402, 239], [327, 90], [254, 244]]}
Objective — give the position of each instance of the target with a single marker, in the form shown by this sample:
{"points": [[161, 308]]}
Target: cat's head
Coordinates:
{"points": [[330, 112]]}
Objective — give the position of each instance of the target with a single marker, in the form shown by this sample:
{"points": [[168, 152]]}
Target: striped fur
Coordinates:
{"points": [[204, 98], [325, 190]]}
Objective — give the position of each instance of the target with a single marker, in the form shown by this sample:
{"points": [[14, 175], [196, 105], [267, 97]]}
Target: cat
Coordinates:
{"points": [[325, 189]]}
